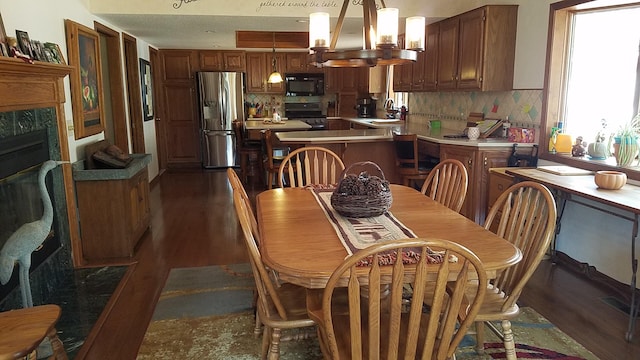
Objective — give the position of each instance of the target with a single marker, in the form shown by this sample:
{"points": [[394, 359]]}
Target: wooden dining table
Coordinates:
{"points": [[300, 244]]}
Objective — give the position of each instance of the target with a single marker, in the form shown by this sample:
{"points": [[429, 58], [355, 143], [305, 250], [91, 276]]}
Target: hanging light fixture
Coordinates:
{"points": [[275, 77], [381, 25]]}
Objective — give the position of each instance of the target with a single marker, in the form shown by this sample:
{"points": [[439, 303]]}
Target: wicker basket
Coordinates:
{"points": [[358, 205]]}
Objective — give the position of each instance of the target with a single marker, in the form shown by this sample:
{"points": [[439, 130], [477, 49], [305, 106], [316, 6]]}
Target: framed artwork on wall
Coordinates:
{"points": [[87, 99], [147, 90]]}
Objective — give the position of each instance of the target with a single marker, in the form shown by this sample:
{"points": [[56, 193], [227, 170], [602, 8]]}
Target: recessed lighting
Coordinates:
{"points": [[210, 31], [302, 21]]}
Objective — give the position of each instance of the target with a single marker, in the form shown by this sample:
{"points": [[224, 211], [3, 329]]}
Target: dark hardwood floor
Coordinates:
{"points": [[194, 224]]}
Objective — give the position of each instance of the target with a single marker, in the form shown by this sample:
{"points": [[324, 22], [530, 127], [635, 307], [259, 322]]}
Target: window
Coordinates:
{"points": [[592, 73], [602, 76]]}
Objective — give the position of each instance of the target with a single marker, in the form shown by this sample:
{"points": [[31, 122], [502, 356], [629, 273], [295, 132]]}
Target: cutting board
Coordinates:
{"points": [[564, 170]]}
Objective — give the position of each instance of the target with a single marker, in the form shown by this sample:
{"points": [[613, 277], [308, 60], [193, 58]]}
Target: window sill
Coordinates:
{"points": [[632, 172]]}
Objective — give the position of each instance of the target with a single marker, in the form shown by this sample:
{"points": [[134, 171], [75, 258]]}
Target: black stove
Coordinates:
{"points": [[310, 113]]}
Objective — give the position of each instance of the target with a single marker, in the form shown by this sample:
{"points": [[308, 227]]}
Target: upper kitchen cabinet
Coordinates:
{"points": [[430, 58], [476, 49], [298, 62], [259, 66], [222, 60], [178, 65], [348, 79]]}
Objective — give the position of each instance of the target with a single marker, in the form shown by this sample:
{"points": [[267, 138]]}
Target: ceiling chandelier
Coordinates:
{"points": [[381, 25]]}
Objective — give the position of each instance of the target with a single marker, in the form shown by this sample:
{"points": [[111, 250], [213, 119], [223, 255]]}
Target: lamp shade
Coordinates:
{"points": [[319, 32], [387, 27], [275, 78], [414, 33]]}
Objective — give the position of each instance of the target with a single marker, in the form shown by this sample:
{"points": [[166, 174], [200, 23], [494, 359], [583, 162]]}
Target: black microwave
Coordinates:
{"points": [[304, 84]]}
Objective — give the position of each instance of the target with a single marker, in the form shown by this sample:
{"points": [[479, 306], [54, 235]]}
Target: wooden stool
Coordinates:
{"points": [[22, 330], [249, 154]]}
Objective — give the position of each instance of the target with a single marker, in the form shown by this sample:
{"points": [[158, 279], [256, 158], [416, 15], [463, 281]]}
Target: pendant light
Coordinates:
{"points": [[275, 77]]}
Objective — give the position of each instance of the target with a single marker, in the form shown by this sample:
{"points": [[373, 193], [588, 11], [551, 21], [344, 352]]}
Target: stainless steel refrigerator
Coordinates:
{"points": [[221, 102]]}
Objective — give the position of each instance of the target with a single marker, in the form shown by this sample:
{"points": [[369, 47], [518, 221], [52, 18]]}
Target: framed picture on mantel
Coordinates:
{"points": [[87, 99]]}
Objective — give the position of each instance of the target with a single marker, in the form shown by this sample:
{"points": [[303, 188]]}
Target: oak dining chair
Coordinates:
{"points": [[391, 323], [279, 306], [447, 184], [525, 215], [310, 165], [408, 165]]}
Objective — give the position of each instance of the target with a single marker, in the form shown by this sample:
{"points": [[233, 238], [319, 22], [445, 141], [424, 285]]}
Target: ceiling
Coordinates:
{"points": [[218, 32]]}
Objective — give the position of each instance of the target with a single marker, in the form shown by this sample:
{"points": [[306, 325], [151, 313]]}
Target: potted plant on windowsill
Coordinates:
{"points": [[599, 149], [626, 145]]}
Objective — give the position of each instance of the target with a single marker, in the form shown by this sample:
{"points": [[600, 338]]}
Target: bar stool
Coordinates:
{"points": [[249, 154], [407, 162], [22, 330]]}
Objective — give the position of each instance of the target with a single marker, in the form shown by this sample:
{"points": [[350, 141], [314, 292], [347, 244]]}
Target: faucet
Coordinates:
{"points": [[388, 104]]}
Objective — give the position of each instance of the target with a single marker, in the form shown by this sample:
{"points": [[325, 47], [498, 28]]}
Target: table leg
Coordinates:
{"points": [[561, 202], [633, 308]]}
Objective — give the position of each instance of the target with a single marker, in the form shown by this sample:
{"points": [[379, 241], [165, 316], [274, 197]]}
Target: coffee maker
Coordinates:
{"points": [[366, 107]]}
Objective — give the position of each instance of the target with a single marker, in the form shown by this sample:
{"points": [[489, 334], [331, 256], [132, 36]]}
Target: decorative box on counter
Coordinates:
{"points": [[521, 135]]}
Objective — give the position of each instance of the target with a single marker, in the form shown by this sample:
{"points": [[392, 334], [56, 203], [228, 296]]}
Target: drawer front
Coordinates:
{"points": [[498, 183]]}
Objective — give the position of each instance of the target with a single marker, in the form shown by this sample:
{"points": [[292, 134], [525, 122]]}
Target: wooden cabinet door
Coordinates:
{"points": [[431, 58], [494, 158], [348, 79], [234, 60], [256, 79], [183, 143], [332, 80], [347, 104], [470, 55], [178, 65], [211, 60], [448, 54], [296, 62], [466, 155], [139, 206]]}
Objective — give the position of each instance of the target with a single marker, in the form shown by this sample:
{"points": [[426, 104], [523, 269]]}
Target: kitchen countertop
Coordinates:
{"points": [[383, 129], [287, 125]]}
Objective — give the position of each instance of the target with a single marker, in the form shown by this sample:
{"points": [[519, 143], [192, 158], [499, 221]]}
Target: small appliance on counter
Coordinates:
{"points": [[366, 107]]}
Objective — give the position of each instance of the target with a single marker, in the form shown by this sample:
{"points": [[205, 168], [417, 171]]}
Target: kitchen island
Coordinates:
{"points": [[255, 126], [376, 144]]}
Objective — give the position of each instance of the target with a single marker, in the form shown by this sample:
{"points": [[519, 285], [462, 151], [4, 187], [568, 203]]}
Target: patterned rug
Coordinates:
{"points": [[206, 313]]}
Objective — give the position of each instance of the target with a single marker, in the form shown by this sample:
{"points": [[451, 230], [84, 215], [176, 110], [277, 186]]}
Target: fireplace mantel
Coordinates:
{"points": [[26, 86]]}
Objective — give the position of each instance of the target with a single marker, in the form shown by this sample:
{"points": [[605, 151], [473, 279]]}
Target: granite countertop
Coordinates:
{"points": [[335, 136], [282, 125], [139, 162], [432, 135]]}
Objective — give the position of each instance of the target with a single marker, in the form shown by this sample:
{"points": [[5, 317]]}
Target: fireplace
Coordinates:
{"points": [[27, 139]]}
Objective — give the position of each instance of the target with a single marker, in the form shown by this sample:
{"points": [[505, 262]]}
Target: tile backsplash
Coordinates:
{"points": [[523, 107]]}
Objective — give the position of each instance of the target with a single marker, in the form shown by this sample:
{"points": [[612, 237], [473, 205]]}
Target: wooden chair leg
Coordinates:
{"points": [[480, 337], [266, 340], [509, 342], [258, 328], [274, 349], [57, 346]]}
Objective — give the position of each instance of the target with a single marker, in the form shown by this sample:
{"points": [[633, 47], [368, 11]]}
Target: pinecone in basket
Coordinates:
{"points": [[362, 184]]}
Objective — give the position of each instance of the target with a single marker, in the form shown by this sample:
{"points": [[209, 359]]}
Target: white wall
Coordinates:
{"points": [[44, 21]]}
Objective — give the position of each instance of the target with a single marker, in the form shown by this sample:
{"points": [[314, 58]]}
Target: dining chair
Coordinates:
{"points": [[386, 317], [525, 215], [22, 331], [280, 306], [311, 165], [447, 184], [408, 165], [249, 153]]}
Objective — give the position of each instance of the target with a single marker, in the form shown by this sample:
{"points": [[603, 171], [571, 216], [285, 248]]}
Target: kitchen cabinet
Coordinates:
{"points": [[338, 124], [402, 74], [259, 66], [430, 58], [114, 213], [222, 60], [348, 79], [298, 62], [476, 49], [180, 109], [477, 161]]}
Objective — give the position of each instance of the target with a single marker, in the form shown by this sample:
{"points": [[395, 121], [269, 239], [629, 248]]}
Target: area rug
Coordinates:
{"points": [[206, 313]]}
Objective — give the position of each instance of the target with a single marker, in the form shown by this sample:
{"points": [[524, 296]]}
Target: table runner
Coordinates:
{"points": [[359, 233]]}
